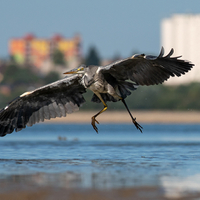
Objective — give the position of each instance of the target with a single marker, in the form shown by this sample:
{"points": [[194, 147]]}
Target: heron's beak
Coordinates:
{"points": [[70, 72], [79, 70]]}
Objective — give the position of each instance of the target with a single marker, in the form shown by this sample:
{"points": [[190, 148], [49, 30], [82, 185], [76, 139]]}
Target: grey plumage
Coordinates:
{"points": [[113, 82], [50, 101]]}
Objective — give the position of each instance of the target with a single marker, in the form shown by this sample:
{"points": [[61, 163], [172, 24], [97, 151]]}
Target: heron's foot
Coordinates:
{"points": [[93, 124], [137, 125]]}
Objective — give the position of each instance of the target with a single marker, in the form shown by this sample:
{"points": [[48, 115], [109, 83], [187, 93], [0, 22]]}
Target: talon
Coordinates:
{"points": [[137, 125], [96, 121], [93, 124]]}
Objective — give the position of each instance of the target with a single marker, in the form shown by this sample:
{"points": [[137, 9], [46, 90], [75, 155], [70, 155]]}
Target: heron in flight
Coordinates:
{"points": [[113, 82]]}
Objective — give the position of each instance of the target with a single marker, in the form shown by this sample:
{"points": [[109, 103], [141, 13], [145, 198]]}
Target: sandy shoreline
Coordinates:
{"points": [[22, 192], [186, 117]]}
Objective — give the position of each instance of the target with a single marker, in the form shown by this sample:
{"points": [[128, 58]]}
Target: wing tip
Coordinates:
{"points": [[170, 53], [161, 52]]}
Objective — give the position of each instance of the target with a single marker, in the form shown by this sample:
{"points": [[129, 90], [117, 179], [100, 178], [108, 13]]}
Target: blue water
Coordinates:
{"points": [[75, 156]]}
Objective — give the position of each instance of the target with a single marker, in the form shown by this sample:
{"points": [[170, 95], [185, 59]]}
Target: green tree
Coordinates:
{"points": [[51, 77], [93, 57], [15, 75], [58, 57]]}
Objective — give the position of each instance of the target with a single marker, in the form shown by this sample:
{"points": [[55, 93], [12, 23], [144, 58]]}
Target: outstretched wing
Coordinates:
{"points": [[148, 70], [53, 100]]}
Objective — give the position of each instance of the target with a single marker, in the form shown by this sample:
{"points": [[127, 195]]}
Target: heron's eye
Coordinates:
{"points": [[80, 69]]}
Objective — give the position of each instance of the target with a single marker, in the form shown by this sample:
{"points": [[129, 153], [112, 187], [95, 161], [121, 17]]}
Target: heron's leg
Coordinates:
{"points": [[133, 119], [94, 117]]}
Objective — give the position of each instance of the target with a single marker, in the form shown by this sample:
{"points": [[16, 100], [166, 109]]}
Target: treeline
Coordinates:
{"points": [[158, 97]]}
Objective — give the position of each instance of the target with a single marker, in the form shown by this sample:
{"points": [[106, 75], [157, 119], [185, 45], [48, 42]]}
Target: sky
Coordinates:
{"points": [[114, 27]]}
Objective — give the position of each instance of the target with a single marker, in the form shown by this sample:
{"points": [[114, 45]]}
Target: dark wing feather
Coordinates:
{"points": [[148, 70], [53, 100]]}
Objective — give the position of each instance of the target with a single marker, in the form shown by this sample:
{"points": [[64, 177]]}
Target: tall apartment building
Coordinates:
{"points": [[182, 32], [39, 51]]}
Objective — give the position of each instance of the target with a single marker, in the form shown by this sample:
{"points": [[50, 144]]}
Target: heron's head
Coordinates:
{"points": [[78, 70]]}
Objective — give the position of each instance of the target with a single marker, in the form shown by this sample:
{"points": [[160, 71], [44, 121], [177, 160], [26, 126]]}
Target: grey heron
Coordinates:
{"points": [[113, 82]]}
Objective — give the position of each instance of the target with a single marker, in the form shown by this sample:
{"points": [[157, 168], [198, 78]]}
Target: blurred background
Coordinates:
{"points": [[39, 40]]}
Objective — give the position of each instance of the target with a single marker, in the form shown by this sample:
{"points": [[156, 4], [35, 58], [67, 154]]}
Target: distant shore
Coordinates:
{"points": [[186, 117]]}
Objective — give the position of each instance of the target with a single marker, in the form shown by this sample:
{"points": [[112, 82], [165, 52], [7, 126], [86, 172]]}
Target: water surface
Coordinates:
{"points": [[75, 156]]}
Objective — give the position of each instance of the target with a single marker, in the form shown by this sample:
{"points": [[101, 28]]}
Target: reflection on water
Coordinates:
{"points": [[118, 157], [176, 187]]}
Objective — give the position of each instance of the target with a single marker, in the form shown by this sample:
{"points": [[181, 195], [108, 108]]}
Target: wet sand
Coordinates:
{"points": [[185, 117], [28, 192], [80, 194]]}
